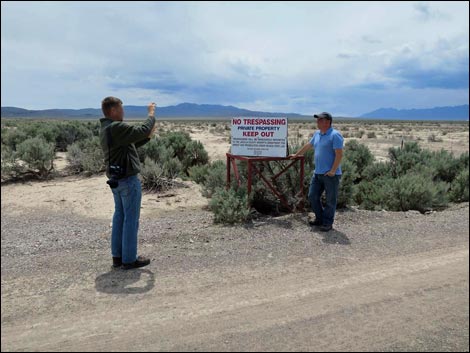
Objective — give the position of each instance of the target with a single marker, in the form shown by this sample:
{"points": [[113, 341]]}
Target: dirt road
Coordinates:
{"points": [[382, 281]]}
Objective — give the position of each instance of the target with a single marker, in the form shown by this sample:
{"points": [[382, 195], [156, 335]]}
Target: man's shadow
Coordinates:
{"points": [[121, 282], [333, 236]]}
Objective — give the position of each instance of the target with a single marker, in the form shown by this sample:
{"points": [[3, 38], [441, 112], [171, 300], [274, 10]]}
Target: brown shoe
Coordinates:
{"points": [[140, 262]]}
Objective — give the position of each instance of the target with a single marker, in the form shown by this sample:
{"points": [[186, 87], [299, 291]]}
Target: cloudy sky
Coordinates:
{"points": [[347, 58]]}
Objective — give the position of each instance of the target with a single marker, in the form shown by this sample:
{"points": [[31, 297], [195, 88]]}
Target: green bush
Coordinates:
{"points": [[215, 179], [175, 155], [459, 188], [377, 170], [11, 168], [264, 201], [71, 132], [86, 156], [194, 154], [463, 161], [12, 137], [346, 186], [94, 127], [371, 194], [359, 155], [154, 150], [415, 192], [61, 133], [48, 131], [230, 206], [198, 173], [38, 156], [175, 145], [287, 184], [414, 179], [404, 160], [93, 160], [163, 156], [443, 165], [75, 157], [176, 140], [154, 177], [172, 167]]}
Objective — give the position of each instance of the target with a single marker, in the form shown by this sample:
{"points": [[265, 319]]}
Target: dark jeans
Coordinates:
{"points": [[320, 183], [127, 199]]}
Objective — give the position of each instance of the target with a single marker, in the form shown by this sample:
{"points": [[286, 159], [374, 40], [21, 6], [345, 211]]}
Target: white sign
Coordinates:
{"points": [[259, 137]]}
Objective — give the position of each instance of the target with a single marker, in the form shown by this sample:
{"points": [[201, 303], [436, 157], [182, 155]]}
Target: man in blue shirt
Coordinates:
{"points": [[327, 144]]}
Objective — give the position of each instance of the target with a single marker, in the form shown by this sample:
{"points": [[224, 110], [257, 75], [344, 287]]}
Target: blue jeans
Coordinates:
{"points": [[127, 199], [330, 185]]}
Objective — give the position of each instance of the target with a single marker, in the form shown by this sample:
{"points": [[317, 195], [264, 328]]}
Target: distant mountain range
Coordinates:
{"points": [[184, 110], [190, 110], [459, 112]]}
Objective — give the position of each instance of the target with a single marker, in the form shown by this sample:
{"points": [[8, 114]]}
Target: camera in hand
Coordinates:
{"points": [[116, 172]]}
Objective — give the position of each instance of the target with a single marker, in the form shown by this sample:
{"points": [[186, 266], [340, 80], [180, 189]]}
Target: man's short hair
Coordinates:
{"points": [[108, 103]]}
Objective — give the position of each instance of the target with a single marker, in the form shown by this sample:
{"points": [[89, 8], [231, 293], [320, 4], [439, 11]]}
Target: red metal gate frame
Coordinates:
{"points": [[231, 161]]}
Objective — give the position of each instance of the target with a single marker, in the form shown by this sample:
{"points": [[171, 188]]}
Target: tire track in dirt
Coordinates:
{"points": [[238, 314]]}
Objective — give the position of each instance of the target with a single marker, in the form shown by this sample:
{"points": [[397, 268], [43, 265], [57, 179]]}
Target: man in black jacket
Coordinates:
{"points": [[119, 142]]}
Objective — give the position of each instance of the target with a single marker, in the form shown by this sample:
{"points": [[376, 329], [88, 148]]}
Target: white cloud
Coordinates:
{"points": [[293, 56]]}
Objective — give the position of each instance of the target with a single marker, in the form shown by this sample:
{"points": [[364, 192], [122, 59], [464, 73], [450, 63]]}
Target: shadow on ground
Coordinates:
{"points": [[118, 281], [333, 236]]}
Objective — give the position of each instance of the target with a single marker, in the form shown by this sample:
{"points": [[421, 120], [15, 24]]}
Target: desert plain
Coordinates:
{"points": [[393, 281]]}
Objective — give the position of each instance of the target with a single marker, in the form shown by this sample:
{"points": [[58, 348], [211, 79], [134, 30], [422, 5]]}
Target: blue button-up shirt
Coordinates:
{"points": [[324, 146]]}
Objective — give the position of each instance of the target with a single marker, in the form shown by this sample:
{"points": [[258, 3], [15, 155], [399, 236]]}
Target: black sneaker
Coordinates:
{"points": [[315, 223], [117, 262], [326, 228], [140, 262]]}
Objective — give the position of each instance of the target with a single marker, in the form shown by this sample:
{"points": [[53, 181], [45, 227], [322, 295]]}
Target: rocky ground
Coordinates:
{"points": [[380, 281]]}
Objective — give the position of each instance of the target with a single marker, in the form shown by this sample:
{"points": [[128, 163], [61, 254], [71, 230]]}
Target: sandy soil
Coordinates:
{"points": [[216, 146], [91, 197]]}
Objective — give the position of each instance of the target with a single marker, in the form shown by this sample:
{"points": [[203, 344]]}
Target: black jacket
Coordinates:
{"points": [[125, 139]]}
